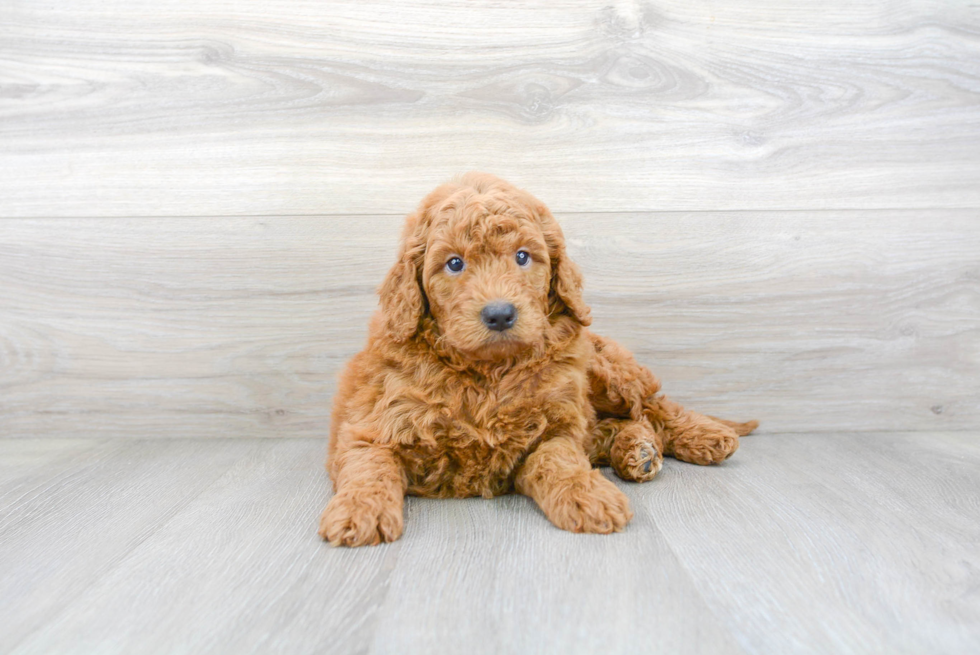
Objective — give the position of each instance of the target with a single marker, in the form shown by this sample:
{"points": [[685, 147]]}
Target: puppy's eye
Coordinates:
{"points": [[455, 265], [523, 258]]}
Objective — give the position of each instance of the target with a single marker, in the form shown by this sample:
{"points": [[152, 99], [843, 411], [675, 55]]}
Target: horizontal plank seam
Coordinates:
{"points": [[558, 212]]}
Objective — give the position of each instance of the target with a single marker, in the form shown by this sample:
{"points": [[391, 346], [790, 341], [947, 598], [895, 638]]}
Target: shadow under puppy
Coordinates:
{"points": [[479, 378]]}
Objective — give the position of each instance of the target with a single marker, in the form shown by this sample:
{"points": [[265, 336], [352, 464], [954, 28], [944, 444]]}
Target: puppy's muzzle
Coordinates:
{"points": [[499, 316]]}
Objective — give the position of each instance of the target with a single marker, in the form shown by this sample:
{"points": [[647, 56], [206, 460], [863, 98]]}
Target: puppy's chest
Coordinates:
{"points": [[482, 435]]}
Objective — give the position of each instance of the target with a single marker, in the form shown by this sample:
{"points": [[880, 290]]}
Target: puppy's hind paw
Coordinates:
{"points": [[634, 454], [706, 446], [640, 463]]}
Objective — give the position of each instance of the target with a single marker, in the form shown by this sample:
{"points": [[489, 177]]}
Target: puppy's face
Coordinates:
{"points": [[485, 263], [487, 276]]}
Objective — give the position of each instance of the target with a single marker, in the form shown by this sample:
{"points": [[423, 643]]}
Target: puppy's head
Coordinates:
{"points": [[484, 264]]}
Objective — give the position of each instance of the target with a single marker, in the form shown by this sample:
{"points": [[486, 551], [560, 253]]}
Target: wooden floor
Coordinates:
{"points": [[842, 543]]}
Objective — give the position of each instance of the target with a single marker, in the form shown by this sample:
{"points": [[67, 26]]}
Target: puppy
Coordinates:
{"points": [[479, 378]]}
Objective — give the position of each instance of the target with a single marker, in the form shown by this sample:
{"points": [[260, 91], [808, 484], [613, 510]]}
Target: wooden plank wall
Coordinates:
{"points": [[775, 204]]}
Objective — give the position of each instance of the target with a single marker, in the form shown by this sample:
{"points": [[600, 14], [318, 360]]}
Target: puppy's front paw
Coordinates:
{"points": [[364, 517], [589, 503]]}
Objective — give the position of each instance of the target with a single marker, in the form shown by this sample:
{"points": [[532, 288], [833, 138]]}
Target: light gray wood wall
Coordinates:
{"points": [[775, 204]]}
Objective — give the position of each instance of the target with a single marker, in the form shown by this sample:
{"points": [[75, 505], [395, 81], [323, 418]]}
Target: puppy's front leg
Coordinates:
{"points": [[558, 476], [367, 508]]}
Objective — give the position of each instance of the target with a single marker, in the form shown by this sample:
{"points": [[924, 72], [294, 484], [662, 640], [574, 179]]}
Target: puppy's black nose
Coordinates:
{"points": [[499, 316]]}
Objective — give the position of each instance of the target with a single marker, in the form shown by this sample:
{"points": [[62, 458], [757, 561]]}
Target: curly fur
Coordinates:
{"points": [[438, 405]]}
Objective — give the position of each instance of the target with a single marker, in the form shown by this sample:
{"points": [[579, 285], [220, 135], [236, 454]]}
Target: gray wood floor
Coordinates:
{"points": [[808, 543]]}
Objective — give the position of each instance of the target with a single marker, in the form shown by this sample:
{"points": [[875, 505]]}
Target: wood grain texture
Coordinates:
{"points": [[237, 327], [67, 524], [24, 458], [305, 107], [506, 581], [843, 542], [239, 570]]}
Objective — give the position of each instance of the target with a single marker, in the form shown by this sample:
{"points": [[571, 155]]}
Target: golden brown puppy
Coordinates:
{"points": [[480, 378]]}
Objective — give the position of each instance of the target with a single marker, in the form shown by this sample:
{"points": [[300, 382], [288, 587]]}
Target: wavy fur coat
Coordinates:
{"points": [[480, 378]]}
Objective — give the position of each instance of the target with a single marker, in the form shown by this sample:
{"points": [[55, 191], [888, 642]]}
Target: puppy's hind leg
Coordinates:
{"points": [[619, 389], [693, 437]]}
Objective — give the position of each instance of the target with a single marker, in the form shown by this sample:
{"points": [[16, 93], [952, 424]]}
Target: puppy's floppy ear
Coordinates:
{"points": [[402, 299], [566, 289], [565, 295]]}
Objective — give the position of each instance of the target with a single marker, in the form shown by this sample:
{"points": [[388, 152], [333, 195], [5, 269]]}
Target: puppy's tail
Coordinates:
{"points": [[741, 429]]}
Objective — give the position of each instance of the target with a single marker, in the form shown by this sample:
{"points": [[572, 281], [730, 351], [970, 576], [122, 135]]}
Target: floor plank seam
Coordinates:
{"points": [[716, 619]]}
